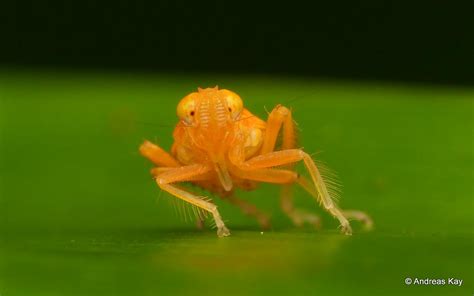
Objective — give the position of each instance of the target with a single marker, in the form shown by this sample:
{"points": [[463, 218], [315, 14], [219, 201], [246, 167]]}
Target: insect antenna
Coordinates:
{"points": [[297, 98], [153, 124]]}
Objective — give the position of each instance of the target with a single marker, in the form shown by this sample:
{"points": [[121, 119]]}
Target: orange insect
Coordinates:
{"points": [[219, 145]]}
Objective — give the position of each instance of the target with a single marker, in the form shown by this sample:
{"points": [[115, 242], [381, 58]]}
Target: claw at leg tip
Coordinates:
{"points": [[222, 232]]}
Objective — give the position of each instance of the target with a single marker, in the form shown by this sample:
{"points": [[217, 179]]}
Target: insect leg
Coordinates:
{"points": [[291, 156], [281, 119], [349, 214], [297, 216], [360, 216], [186, 173], [280, 116], [250, 210], [157, 155], [277, 176], [159, 170]]}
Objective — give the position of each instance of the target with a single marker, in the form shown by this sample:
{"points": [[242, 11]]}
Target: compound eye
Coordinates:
{"points": [[186, 109], [234, 104]]}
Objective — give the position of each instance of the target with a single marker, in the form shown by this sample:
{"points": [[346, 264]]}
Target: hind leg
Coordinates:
{"points": [[250, 210], [360, 216], [298, 216]]}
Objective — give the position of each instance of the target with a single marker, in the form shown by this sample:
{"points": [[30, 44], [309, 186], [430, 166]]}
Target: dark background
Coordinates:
{"points": [[414, 41]]}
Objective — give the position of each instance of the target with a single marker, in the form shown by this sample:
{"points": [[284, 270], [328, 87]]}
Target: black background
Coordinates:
{"points": [[414, 41]]}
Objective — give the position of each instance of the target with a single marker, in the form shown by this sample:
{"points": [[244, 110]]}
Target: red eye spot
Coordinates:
{"points": [[192, 113], [230, 109]]}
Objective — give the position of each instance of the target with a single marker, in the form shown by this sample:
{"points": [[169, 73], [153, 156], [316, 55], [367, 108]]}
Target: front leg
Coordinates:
{"points": [[187, 173], [157, 155], [199, 202], [171, 172]]}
